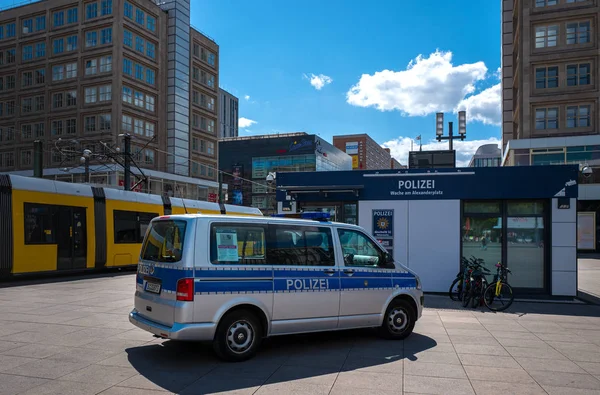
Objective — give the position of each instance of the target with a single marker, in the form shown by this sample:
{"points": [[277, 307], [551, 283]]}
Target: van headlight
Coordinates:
{"points": [[419, 285]]}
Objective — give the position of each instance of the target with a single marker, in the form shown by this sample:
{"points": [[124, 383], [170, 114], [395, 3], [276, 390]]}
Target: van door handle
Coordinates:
{"points": [[349, 272], [330, 272]]}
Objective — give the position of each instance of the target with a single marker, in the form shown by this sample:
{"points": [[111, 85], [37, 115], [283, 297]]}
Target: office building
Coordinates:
{"points": [[394, 164], [228, 114], [365, 152], [247, 162], [77, 75], [550, 93], [488, 155]]}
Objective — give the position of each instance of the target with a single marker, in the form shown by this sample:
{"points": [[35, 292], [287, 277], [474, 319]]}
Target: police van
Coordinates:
{"points": [[236, 280]]}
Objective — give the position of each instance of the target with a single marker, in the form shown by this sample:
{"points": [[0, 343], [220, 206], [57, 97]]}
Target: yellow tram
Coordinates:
{"points": [[48, 226]]}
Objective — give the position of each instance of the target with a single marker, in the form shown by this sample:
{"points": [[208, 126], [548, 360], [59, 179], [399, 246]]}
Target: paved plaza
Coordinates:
{"points": [[589, 277], [73, 337]]}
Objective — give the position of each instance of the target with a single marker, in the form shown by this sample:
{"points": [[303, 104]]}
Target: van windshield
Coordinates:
{"points": [[164, 241]]}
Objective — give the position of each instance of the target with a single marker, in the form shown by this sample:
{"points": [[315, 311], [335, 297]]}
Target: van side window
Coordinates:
{"points": [[301, 246], [359, 250], [235, 244], [130, 226], [164, 242]]}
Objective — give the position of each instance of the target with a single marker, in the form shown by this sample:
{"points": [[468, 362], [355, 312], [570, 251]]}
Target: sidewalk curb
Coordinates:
{"points": [[588, 297]]}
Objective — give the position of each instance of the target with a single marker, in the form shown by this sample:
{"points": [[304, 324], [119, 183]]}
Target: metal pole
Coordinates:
{"points": [[38, 159], [220, 186], [127, 177], [450, 134], [87, 169]]}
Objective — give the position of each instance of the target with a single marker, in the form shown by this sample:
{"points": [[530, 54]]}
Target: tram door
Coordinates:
{"points": [[71, 238]]}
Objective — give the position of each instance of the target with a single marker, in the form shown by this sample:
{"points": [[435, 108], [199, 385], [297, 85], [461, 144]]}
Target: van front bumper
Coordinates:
{"points": [[190, 332]]}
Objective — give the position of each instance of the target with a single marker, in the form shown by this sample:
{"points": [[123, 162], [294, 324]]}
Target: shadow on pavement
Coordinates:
{"points": [[183, 367], [519, 307], [64, 277]]}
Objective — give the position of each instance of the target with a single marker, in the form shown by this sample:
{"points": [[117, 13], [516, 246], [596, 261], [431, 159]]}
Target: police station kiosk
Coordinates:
{"points": [[523, 216]]}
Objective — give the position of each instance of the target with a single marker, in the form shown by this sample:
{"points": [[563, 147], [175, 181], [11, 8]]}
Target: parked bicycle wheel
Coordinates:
{"points": [[498, 297], [456, 289], [467, 295]]}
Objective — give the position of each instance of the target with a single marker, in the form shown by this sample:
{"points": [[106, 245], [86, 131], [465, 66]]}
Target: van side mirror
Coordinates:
{"points": [[388, 261]]}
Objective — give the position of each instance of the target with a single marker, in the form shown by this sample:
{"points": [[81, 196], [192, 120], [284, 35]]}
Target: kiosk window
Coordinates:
{"points": [[301, 246], [237, 244], [359, 250], [40, 226], [130, 226]]}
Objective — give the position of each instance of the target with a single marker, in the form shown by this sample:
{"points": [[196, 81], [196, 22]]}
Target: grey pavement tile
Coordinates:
{"points": [[59, 387], [44, 368], [251, 368], [101, 374], [373, 365], [28, 337], [437, 385], [82, 337], [311, 360], [505, 326], [543, 327], [590, 367], [540, 364], [371, 381], [346, 390], [274, 389], [555, 390], [11, 384], [9, 345], [480, 349], [486, 360], [582, 356], [114, 344], [570, 346], [509, 342], [474, 333], [506, 375], [211, 384], [6, 331], [463, 325], [437, 337], [133, 391], [8, 362], [537, 352], [563, 337], [459, 319], [162, 380], [563, 379], [373, 352], [36, 351], [434, 357], [424, 346], [304, 374], [500, 334], [136, 334], [434, 370], [495, 388], [484, 340], [82, 355]]}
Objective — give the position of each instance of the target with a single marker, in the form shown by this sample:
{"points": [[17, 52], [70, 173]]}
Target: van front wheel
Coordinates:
{"points": [[238, 336], [399, 321]]}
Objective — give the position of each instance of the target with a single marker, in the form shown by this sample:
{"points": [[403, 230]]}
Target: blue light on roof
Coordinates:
{"points": [[315, 216]]}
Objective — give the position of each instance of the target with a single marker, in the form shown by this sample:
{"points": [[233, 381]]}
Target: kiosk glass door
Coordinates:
{"points": [[482, 232]]}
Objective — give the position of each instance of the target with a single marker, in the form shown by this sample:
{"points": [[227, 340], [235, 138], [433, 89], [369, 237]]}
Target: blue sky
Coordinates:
{"points": [[269, 51]]}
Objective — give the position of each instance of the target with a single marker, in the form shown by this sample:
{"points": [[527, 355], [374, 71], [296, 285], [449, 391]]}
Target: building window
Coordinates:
{"points": [[546, 118], [71, 98], [578, 33], [149, 156], [546, 77], [106, 64], [11, 56], [210, 148], [91, 10], [150, 79], [26, 157], [139, 99], [150, 50], [127, 38], [91, 67], [546, 36], [72, 15], [27, 105], [578, 116], [151, 23], [27, 52], [195, 144], [150, 103], [127, 67], [58, 46], [127, 95], [139, 16], [138, 127], [72, 43], [139, 71], [40, 23], [128, 10], [90, 95], [58, 73], [40, 50], [91, 39], [106, 36], [57, 100], [127, 123], [71, 126], [11, 30], [578, 74], [149, 129], [27, 26], [71, 70], [105, 92], [56, 128], [40, 103], [196, 50], [39, 129], [105, 122], [59, 18], [27, 79], [106, 7], [27, 131], [139, 44], [90, 123]]}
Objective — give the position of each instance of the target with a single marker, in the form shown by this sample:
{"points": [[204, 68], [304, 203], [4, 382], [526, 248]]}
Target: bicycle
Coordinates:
{"points": [[478, 285], [499, 290], [456, 288]]}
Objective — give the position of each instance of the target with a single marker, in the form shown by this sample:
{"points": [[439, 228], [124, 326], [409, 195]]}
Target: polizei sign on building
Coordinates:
{"points": [[415, 188]]}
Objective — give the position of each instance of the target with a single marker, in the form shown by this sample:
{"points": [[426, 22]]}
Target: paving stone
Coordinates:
{"points": [[590, 367], [486, 360], [552, 390], [437, 385], [495, 388], [546, 352], [481, 349], [434, 370], [539, 364], [44, 368], [434, 357], [134, 391], [11, 384], [371, 381], [36, 351], [101, 374], [162, 380], [562, 379], [304, 374], [59, 387], [507, 375]]}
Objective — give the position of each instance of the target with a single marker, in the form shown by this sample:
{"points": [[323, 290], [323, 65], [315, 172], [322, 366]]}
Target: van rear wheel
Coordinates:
{"points": [[238, 336], [399, 320]]}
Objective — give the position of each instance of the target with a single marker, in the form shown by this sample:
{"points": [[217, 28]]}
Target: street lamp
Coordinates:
{"points": [[271, 178], [462, 128], [85, 159]]}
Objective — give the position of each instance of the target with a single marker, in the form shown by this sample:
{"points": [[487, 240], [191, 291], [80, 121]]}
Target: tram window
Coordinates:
{"points": [[40, 224], [130, 226]]}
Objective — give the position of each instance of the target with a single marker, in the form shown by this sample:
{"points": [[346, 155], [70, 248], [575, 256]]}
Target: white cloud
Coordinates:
{"points": [[428, 85], [318, 81], [485, 106], [245, 123], [400, 147], [247, 97]]}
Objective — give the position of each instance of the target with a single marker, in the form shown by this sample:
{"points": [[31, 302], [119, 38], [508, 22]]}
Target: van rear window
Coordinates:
{"points": [[164, 241]]}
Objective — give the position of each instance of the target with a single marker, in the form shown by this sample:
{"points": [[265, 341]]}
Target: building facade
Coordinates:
{"points": [[247, 161], [365, 152], [550, 95], [79, 74], [488, 155], [228, 114]]}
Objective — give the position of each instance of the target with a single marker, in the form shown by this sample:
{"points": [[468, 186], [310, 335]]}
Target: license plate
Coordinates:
{"points": [[153, 287]]}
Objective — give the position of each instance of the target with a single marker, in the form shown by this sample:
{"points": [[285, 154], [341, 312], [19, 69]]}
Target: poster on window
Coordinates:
{"points": [[586, 230], [227, 247], [383, 223]]}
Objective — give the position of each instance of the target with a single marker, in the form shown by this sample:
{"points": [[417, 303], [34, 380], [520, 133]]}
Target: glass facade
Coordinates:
{"points": [[261, 167], [486, 162]]}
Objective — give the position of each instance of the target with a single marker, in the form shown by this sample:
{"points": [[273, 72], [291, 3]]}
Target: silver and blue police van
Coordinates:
{"points": [[235, 280]]}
